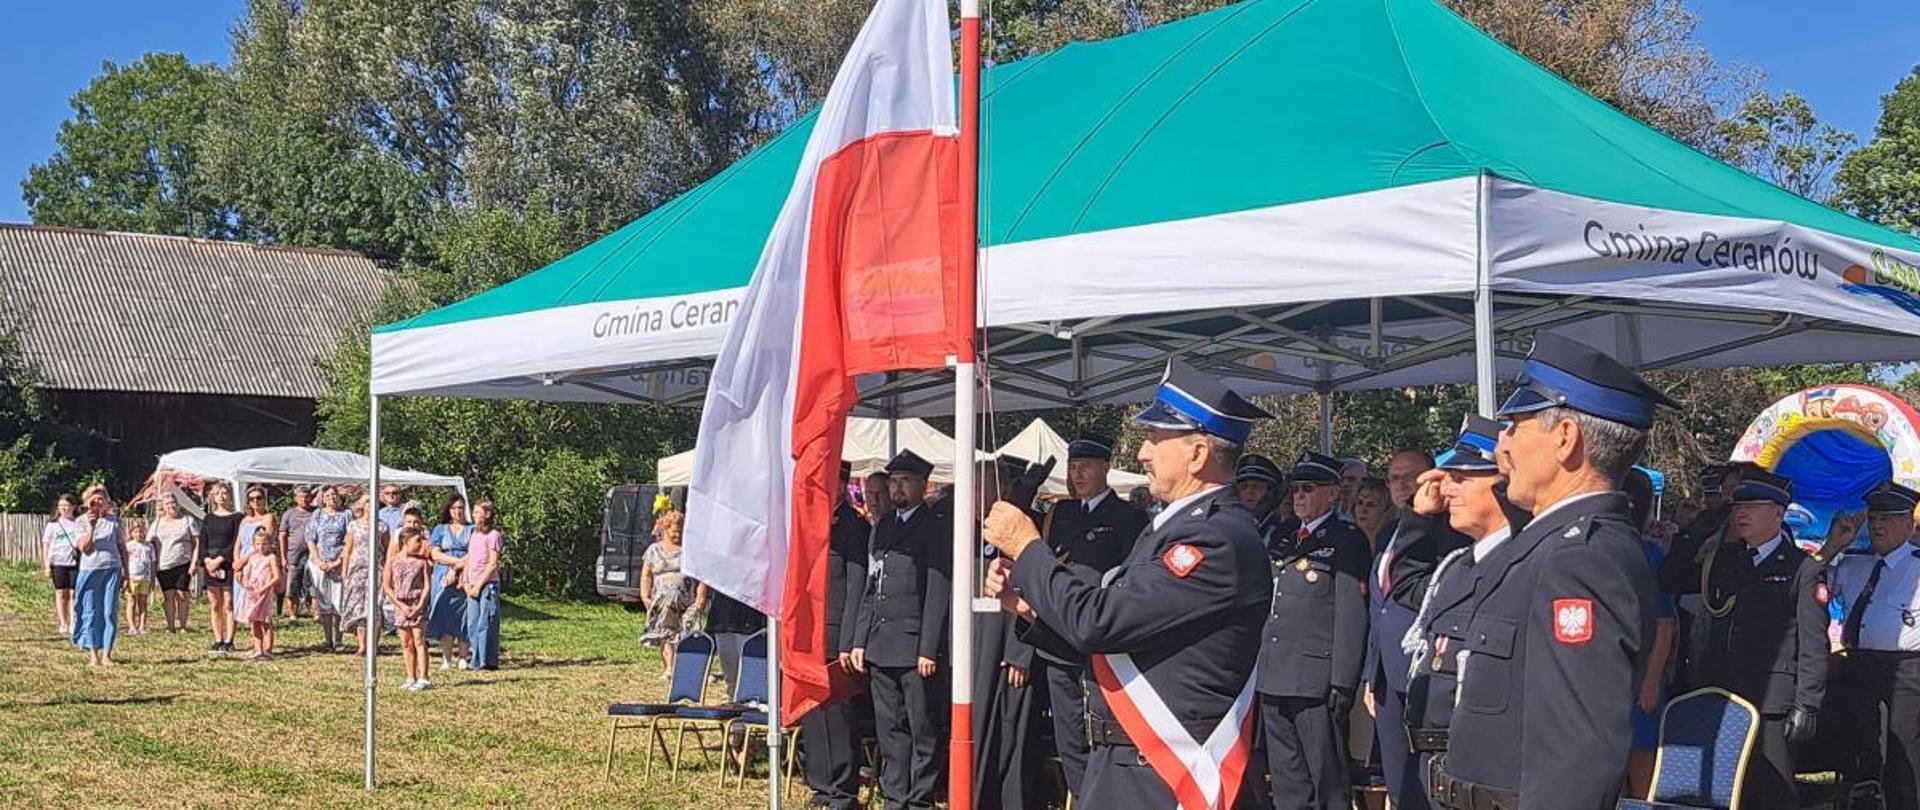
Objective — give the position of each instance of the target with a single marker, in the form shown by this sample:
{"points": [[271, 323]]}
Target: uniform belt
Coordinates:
{"points": [[1460, 794], [1896, 654], [1102, 733], [1427, 740]]}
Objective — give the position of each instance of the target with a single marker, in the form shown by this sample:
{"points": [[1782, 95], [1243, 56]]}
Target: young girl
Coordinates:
{"points": [[405, 582], [260, 578], [142, 561]]}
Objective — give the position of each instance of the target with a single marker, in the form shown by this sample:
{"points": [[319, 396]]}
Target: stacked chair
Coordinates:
{"points": [[688, 689]]}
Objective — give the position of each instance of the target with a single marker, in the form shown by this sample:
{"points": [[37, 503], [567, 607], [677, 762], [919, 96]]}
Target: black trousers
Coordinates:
{"points": [[1397, 764], [1304, 760], [1067, 702], [1769, 783], [907, 727], [832, 755], [1872, 680]]}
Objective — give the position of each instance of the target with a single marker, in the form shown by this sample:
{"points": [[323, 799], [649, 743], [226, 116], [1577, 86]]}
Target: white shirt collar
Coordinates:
{"points": [[1095, 501], [1575, 499], [907, 515], [1766, 549], [1175, 507], [1311, 525], [1485, 545]]}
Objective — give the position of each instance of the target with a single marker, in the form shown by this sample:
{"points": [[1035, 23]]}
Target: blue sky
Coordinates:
{"points": [[1841, 54]]}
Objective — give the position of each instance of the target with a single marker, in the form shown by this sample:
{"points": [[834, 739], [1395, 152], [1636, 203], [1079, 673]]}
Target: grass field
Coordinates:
{"points": [[173, 727]]}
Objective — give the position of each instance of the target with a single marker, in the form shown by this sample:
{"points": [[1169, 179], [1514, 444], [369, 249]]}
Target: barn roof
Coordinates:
{"points": [[109, 311]]}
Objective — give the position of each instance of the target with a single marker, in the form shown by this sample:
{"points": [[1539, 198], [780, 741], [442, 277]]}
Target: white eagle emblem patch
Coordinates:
{"points": [[1182, 559], [1573, 621]]}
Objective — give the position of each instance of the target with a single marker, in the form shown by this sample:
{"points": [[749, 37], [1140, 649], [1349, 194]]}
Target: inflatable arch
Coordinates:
{"points": [[1836, 443]]}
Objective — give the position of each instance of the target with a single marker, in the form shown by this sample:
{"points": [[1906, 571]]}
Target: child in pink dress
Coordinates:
{"points": [[405, 582], [260, 576]]}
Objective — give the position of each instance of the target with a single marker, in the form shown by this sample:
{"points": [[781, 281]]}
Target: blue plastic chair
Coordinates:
{"points": [[751, 691], [714, 717], [691, 663], [1706, 739]]}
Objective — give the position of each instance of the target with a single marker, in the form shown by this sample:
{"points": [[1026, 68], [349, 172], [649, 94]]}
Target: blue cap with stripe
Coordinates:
{"points": [[1191, 401], [1561, 373], [1473, 450]]}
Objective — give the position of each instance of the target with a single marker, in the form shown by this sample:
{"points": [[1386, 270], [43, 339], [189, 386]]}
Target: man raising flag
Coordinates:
{"points": [[861, 274]]}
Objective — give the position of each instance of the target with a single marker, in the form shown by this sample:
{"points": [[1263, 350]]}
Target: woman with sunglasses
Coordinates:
{"points": [[256, 530]]}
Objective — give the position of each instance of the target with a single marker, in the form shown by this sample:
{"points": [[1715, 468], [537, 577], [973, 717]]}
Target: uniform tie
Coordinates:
{"points": [[1301, 534], [1850, 633]]}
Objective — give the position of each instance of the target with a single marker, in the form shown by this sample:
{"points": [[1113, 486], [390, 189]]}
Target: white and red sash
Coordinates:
{"points": [[1203, 776]]}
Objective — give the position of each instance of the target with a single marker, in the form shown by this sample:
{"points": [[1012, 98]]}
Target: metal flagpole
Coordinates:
{"points": [[373, 547], [774, 786], [1483, 349], [965, 552]]}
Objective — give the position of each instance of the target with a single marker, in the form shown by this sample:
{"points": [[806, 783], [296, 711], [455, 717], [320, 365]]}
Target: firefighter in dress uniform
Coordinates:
{"points": [[1559, 639], [1765, 631], [828, 732], [1171, 634], [1878, 591], [1462, 493], [900, 633], [1314, 641], [1093, 533]]}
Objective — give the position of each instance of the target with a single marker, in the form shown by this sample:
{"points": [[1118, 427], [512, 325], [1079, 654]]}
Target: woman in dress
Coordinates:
{"points": [[480, 579], [673, 601], [103, 567], [327, 545], [218, 535], [356, 585], [60, 561], [176, 535], [447, 604], [256, 530]]}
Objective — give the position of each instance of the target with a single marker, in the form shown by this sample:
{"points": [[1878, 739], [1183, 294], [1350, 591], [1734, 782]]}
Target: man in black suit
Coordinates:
{"points": [[1396, 583], [900, 632], [1171, 634], [827, 732], [1766, 632], [1092, 534], [1314, 641]]}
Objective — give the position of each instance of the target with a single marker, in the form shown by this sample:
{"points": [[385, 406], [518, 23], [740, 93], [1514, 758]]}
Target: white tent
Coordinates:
{"points": [[867, 445], [293, 465], [1038, 442]]}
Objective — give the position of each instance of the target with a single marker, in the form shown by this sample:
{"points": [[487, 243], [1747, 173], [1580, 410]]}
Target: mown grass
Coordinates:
{"points": [[173, 727]]}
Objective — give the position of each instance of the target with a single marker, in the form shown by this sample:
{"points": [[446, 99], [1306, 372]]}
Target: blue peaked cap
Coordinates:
{"points": [[1763, 486], [1473, 450], [1191, 401], [1562, 373]]}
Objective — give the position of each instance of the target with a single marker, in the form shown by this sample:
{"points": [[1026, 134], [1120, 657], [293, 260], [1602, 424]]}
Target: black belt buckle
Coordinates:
{"points": [[1100, 733], [1427, 740]]}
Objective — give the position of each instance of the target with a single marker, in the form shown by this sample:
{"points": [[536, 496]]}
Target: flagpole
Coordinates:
{"points": [[960, 747]]}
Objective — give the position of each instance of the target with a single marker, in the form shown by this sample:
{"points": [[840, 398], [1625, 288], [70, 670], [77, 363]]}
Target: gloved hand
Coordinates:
{"points": [[1339, 704], [1802, 722]]}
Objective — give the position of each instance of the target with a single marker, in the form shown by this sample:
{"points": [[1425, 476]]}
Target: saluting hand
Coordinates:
{"points": [[1009, 529], [1427, 499]]}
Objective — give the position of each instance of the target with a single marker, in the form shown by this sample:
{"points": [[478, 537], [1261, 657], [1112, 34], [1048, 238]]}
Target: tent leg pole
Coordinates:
{"points": [[373, 606], [1326, 421], [774, 785], [1483, 348]]}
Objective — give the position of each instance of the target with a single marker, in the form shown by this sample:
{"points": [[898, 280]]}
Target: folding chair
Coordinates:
{"points": [[1706, 738], [704, 718], [691, 662]]}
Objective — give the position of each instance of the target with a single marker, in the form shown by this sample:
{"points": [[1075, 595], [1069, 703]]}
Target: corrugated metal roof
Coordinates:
{"points": [[106, 311]]}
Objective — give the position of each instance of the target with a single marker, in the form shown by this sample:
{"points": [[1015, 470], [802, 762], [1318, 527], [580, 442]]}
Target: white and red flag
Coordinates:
{"points": [[861, 274]]}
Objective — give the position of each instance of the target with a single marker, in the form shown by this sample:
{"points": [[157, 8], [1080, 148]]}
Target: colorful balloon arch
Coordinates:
{"points": [[1836, 443]]}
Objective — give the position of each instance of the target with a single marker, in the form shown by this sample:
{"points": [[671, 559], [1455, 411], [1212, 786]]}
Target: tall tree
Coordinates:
{"points": [[1781, 140], [129, 158], [1881, 181]]}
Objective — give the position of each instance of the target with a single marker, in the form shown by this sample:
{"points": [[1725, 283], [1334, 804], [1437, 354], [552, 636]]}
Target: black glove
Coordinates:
{"points": [[1801, 724], [1339, 703]]}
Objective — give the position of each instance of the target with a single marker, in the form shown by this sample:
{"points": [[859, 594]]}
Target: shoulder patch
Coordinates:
{"points": [[1182, 559], [1573, 621]]}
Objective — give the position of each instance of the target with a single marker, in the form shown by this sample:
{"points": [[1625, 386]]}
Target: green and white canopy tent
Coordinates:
{"points": [[1301, 194]]}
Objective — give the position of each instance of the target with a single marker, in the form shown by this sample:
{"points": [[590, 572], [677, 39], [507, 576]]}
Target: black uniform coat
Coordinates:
{"points": [[1771, 647], [846, 576], [1194, 637], [1417, 543], [1316, 628], [1090, 541], [903, 608], [1559, 640]]}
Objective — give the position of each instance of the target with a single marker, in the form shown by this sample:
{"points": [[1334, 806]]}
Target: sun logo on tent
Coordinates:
{"points": [[1889, 279]]}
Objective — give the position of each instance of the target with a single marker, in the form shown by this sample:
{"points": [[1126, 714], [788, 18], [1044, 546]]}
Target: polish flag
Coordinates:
{"points": [[861, 274]]}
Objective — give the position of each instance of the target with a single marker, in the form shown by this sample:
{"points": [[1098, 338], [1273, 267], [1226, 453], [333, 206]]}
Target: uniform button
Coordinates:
{"points": [[1273, 638], [1483, 638]]}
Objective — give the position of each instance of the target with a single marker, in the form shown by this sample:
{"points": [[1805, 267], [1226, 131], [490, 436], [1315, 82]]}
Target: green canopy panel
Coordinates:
{"points": [[1305, 194]]}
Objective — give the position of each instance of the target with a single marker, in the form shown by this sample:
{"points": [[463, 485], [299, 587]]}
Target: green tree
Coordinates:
{"points": [[1782, 141], [129, 158], [1881, 181]]}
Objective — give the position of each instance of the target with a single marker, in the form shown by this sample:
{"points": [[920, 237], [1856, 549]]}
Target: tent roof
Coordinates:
{"points": [[1038, 442], [294, 465], [865, 447], [1282, 150]]}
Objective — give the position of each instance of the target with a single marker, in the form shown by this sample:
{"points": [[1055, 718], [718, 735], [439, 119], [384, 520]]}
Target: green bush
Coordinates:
{"points": [[550, 512]]}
